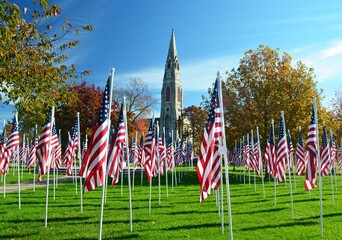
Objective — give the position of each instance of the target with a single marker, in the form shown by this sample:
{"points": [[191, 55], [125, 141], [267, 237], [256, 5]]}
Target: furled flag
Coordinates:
{"points": [[54, 146], [150, 149], [84, 148], [161, 155], [189, 151], [116, 149], [339, 156], [33, 148], [13, 139], [311, 147], [58, 153], [325, 153], [270, 156], [257, 156], [134, 155], [300, 155], [141, 152], [4, 161], [42, 151], [93, 168], [179, 153], [71, 150], [208, 167], [332, 151], [169, 154], [291, 150], [282, 151]]}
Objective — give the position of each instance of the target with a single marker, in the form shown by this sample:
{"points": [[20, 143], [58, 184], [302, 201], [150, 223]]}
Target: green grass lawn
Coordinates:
{"points": [[181, 216]]}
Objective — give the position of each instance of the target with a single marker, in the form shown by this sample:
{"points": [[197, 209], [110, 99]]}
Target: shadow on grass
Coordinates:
{"points": [[129, 236], [52, 219], [261, 211], [324, 216], [251, 201], [194, 226], [297, 223], [188, 212], [15, 236]]}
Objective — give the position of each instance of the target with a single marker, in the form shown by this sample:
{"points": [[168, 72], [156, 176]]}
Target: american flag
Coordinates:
{"points": [[257, 156], [161, 155], [339, 156], [134, 154], [116, 149], [54, 147], [332, 150], [282, 151], [141, 152], [58, 153], [325, 153], [169, 154], [93, 168], [42, 151], [208, 167], [291, 150], [4, 161], [71, 148], [300, 155], [150, 150], [23, 151], [179, 153], [33, 148], [13, 139], [189, 151], [311, 147], [270, 156]]}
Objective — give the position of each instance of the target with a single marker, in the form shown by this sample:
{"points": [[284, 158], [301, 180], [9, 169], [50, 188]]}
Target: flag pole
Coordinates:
{"points": [[79, 158], [141, 165], [104, 186], [16, 151], [158, 163], [274, 169], [319, 170], [261, 164], [248, 158], [151, 179], [34, 165], [288, 162], [4, 172], [128, 167], [48, 165], [134, 156], [331, 175], [173, 161], [225, 160], [166, 179], [252, 150]]}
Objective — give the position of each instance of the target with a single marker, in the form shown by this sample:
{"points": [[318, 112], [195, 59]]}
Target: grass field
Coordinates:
{"points": [[181, 216]]}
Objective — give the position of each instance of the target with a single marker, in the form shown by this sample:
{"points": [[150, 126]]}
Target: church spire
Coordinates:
{"points": [[172, 54], [172, 92]]}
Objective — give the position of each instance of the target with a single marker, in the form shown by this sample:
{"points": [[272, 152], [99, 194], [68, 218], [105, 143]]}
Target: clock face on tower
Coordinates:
{"points": [[168, 74]]}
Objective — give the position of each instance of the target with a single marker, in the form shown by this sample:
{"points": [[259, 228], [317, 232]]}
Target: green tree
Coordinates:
{"points": [[264, 84], [33, 75]]}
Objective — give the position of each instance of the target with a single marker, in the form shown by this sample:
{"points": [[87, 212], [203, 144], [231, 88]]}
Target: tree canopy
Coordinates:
{"points": [[33, 73], [265, 83]]}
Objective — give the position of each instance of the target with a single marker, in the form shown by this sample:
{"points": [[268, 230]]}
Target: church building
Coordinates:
{"points": [[171, 93]]}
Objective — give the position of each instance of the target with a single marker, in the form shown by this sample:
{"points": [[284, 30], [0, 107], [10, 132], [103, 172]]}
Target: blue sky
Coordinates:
{"points": [[133, 37]]}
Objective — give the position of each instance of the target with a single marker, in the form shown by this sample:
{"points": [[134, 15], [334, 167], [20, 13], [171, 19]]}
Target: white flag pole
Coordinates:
{"points": [[135, 149], [79, 157], [331, 174], [252, 150], [141, 165], [128, 167], [16, 152], [248, 159], [48, 166], [34, 165], [261, 165], [274, 166], [150, 196], [243, 156], [104, 186], [319, 170], [288, 163], [8, 167], [225, 160], [23, 149], [173, 161], [166, 179], [158, 164]]}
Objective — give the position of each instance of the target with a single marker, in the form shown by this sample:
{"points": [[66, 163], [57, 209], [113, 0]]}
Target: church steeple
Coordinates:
{"points": [[172, 92]]}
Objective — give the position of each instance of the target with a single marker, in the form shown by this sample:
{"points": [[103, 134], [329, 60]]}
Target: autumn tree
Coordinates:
{"points": [[139, 102], [337, 114], [265, 83], [33, 48], [197, 120]]}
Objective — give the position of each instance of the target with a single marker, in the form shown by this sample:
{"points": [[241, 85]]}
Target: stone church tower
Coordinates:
{"points": [[171, 93]]}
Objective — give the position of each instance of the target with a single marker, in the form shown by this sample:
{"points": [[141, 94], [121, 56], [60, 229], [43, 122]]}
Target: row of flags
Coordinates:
{"points": [[282, 156], [106, 155]]}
